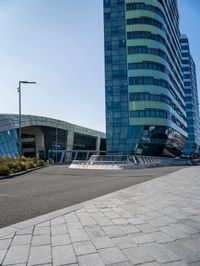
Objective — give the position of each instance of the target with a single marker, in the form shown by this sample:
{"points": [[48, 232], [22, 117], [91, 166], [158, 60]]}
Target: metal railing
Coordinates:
{"points": [[125, 162]]}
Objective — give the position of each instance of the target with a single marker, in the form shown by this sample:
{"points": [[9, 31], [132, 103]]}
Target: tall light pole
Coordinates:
{"points": [[20, 115]]}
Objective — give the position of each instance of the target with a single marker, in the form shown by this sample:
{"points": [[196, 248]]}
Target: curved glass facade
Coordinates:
{"points": [[143, 78], [45, 137]]}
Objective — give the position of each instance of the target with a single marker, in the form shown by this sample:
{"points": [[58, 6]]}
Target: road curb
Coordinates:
{"points": [[22, 172]]}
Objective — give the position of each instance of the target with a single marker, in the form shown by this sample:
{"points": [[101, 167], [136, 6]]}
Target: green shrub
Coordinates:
{"points": [[23, 166], [30, 164], [13, 166], [40, 163], [4, 170], [4, 160]]}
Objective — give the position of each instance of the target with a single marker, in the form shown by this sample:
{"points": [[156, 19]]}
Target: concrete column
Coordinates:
{"points": [[98, 145], [69, 147], [87, 156]]}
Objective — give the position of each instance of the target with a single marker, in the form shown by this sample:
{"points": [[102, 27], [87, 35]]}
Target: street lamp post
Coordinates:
{"points": [[20, 115]]}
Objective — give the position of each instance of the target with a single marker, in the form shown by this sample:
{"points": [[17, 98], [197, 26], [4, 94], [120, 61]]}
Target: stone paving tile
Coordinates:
{"points": [[83, 214], [97, 215], [147, 228], [103, 221], [185, 253], [99, 204], [112, 215], [138, 255], [90, 260], [113, 231], [17, 254], [63, 255], [74, 225], [176, 216], [21, 240], [195, 235], [161, 254], [71, 217], [195, 264], [74, 264], [173, 232], [119, 221], [87, 221], [2, 255], [60, 240], [102, 242], [128, 214], [46, 224], [175, 263], [94, 231], [42, 230], [112, 255], [106, 209], [92, 209], [118, 209], [141, 238], [39, 240], [185, 228], [9, 236], [196, 218], [149, 215], [58, 220], [188, 211], [59, 229], [129, 229], [5, 243], [136, 221], [124, 242], [192, 223], [78, 235], [23, 264], [125, 263], [40, 255], [151, 264], [191, 243], [160, 237], [27, 231], [84, 247], [162, 221]]}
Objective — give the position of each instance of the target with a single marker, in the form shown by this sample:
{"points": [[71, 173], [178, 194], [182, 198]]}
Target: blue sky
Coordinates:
{"points": [[59, 44]]}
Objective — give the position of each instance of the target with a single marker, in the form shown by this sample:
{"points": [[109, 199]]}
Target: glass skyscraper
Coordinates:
{"points": [[145, 107], [192, 144]]}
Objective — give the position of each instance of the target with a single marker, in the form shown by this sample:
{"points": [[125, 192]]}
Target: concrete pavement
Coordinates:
{"points": [[153, 223]]}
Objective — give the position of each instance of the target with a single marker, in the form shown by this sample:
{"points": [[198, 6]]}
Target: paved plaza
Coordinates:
{"points": [[56, 187], [152, 223]]}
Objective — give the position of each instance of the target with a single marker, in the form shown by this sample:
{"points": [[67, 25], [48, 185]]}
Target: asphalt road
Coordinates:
{"points": [[56, 187]]}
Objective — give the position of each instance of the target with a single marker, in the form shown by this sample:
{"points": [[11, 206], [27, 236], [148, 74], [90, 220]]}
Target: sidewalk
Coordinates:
{"points": [[152, 223]]}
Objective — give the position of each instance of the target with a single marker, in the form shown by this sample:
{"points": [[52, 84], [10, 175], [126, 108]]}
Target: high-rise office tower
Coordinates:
{"points": [[145, 108], [192, 144]]}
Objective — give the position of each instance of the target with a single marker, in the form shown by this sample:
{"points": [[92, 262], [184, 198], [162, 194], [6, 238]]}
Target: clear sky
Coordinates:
{"points": [[59, 44]]}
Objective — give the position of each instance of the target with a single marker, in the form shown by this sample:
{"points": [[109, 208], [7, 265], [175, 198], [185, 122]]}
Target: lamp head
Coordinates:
{"points": [[28, 82]]}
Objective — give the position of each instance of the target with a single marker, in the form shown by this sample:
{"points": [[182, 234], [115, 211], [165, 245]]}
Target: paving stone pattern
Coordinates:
{"points": [[153, 223]]}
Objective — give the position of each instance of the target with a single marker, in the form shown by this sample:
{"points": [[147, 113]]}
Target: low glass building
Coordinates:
{"points": [[48, 138]]}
